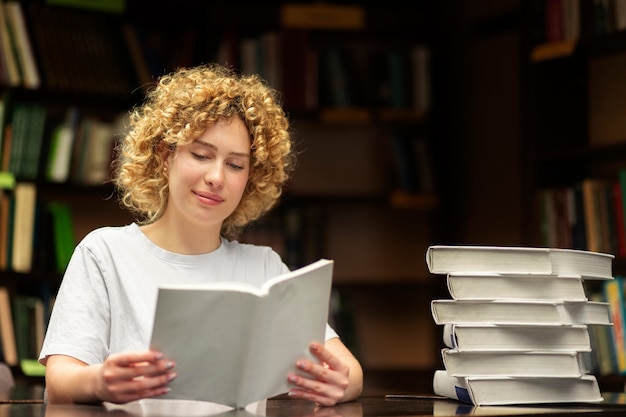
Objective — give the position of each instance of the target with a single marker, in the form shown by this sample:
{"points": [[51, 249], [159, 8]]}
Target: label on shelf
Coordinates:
{"points": [[322, 16]]}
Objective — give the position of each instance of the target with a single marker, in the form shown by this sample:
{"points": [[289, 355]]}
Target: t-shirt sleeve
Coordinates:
{"points": [[79, 322]]}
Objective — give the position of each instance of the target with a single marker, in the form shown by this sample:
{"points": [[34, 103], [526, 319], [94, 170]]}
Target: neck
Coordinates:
{"points": [[183, 239]]}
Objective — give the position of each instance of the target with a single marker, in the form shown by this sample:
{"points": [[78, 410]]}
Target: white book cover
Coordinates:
{"points": [[515, 287], [490, 337], [520, 312], [510, 390], [234, 343], [443, 259], [557, 364]]}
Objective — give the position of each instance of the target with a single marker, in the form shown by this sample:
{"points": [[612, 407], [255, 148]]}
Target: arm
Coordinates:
{"points": [[123, 377], [337, 378]]}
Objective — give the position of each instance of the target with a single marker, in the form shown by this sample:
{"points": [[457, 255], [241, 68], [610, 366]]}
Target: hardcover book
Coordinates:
{"points": [[509, 390], [235, 343], [519, 260], [561, 364], [515, 287], [491, 337], [521, 312]]}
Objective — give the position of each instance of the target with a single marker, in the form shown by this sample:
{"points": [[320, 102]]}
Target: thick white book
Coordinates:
{"points": [[558, 364], [491, 337], [515, 287], [442, 259], [510, 390], [234, 343], [521, 312]]}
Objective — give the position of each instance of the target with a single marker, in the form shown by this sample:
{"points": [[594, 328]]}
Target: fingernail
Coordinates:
{"points": [[171, 376], [300, 364], [293, 378]]}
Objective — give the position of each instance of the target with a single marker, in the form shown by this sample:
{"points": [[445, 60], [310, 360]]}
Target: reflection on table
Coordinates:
{"points": [[402, 406]]}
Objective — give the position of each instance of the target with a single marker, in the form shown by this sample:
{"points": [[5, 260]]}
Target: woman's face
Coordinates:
{"points": [[207, 178]]}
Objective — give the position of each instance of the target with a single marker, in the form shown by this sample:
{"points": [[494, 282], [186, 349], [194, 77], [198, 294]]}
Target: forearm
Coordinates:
{"points": [[355, 384], [355, 375], [70, 383]]}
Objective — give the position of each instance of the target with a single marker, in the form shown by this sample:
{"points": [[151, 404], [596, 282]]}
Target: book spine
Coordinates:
{"points": [[12, 77], [451, 387], [614, 295], [25, 55], [25, 195], [7, 330]]}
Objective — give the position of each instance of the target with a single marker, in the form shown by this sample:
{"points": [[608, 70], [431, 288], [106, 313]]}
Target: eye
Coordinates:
{"points": [[200, 156], [235, 166]]}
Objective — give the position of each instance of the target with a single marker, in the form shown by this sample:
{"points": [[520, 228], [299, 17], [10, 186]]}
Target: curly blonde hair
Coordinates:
{"points": [[176, 111]]}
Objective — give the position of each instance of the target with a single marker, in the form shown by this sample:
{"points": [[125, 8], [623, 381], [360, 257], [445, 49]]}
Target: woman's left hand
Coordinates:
{"points": [[326, 382]]}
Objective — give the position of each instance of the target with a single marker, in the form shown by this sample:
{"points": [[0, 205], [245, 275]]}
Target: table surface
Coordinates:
{"points": [[613, 406]]}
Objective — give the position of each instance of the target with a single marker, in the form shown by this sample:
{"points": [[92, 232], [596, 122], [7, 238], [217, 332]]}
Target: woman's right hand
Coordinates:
{"points": [[122, 378], [130, 376]]}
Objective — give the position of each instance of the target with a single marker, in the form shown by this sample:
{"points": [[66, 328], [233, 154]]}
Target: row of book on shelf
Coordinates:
{"points": [[527, 325], [587, 215], [119, 57], [62, 49], [75, 147], [35, 235], [558, 25], [558, 20], [312, 76], [23, 322]]}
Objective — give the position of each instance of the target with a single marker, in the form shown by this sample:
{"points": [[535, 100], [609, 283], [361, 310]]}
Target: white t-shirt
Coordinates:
{"points": [[107, 298]]}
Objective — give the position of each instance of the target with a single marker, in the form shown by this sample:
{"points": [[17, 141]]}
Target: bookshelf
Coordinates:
{"points": [[356, 196], [574, 136]]}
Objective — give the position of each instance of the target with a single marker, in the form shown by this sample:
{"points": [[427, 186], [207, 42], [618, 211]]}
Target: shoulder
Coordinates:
{"points": [[258, 256], [236, 248], [109, 236]]}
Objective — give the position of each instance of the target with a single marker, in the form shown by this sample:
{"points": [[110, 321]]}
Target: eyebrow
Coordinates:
{"points": [[213, 147]]}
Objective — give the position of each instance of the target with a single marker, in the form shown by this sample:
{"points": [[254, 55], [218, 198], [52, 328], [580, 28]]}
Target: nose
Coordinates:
{"points": [[215, 174]]}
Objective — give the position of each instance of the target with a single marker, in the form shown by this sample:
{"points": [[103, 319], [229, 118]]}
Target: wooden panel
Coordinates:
{"points": [[394, 329], [607, 106], [377, 243], [340, 160], [90, 207]]}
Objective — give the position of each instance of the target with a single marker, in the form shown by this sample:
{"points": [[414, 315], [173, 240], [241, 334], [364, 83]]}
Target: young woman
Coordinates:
{"points": [[207, 153]]}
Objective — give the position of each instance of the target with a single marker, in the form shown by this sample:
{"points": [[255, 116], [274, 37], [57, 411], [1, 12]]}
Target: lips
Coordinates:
{"points": [[209, 197]]}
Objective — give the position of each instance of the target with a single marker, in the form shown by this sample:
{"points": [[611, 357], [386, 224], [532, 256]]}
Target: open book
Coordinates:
{"points": [[235, 343]]}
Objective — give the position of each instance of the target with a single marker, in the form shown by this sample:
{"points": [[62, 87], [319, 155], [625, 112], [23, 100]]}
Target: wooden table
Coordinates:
{"points": [[613, 406]]}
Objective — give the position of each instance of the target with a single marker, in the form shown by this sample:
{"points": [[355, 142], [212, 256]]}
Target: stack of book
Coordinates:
{"points": [[516, 328]]}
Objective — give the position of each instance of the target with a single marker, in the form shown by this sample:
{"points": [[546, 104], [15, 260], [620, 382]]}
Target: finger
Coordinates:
{"points": [[134, 358], [316, 397], [325, 356], [141, 387]]}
